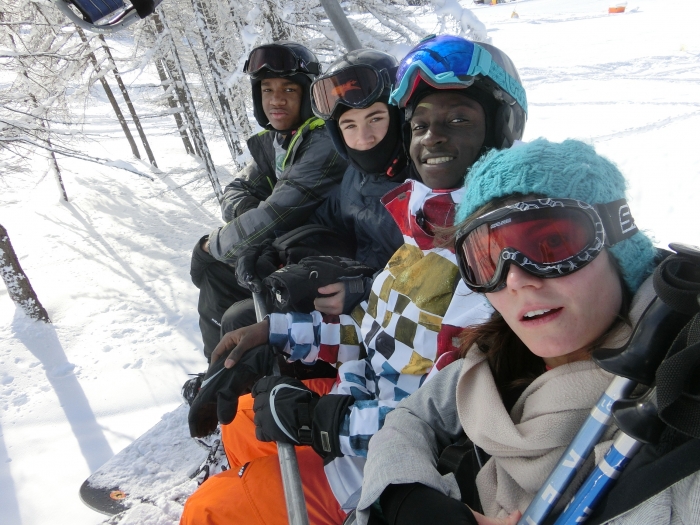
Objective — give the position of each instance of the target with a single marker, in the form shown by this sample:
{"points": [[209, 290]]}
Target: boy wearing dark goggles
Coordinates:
{"points": [[293, 169]]}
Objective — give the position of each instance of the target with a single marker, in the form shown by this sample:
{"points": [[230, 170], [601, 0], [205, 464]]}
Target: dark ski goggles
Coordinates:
{"points": [[547, 238], [446, 62], [356, 87], [277, 59]]}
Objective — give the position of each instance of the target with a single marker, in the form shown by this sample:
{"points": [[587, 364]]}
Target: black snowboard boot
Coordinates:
{"points": [[191, 387]]}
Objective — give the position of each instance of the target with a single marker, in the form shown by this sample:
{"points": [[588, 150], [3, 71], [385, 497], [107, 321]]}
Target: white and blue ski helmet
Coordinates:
{"points": [[452, 62]]}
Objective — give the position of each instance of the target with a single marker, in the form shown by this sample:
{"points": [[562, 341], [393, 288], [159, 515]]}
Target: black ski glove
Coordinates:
{"points": [[255, 263], [286, 411], [217, 400], [200, 261], [245, 204], [294, 287]]}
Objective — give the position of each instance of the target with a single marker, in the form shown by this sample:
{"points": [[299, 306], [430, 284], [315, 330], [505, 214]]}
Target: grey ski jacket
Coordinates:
{"points": [[311, 169]]}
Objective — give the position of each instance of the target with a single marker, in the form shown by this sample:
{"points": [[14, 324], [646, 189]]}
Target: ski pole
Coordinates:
{"points": [[291, 479], [639, 423], [636, 362], [587, 437], [600, 480]]}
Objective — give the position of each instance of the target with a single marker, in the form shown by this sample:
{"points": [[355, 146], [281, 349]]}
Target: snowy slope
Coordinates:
{"points": [[111, 267]]}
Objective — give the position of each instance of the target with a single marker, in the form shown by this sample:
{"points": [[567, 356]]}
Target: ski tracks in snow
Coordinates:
{"points": [[667, 69]]}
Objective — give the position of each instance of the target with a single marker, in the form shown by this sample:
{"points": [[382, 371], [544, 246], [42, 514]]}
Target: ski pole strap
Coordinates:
{"points": [[677, 384], [304, 433], [677, 282]]}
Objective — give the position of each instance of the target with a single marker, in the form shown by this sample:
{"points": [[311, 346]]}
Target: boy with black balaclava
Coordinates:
{"points": [[352, 97]]}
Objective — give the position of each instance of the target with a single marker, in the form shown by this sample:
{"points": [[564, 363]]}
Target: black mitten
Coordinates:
{"points": [[294, 287], [246, 203], [255, 263], [286, 411], [217, 400], [200, 261]]}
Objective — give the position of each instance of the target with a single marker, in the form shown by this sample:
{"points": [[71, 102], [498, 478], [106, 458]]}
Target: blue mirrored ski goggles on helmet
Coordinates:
{"points": [[547, 238], [446, 62], [356, 86], [277, 58]]}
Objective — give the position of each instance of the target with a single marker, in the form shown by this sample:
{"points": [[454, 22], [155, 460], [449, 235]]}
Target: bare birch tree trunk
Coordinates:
{"points": [[18, 286], [178, 84], [217, 113], [227, 63], [179, 88], [110, 97], [242, 115], [201, 17], [129, 105], [53, 162], [174, 65], [279, 30], [166, 82]]}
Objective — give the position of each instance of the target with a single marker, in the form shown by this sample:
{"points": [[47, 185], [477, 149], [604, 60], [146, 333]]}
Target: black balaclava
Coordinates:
{"points": [[380, 158], [386, 157]]}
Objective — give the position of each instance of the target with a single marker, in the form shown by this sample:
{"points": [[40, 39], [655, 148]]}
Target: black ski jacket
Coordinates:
{"points": [[312, 168], [354, 209]]}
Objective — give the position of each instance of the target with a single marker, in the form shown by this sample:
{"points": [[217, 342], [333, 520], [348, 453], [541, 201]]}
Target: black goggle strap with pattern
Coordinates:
{"points": [[617, 220]]}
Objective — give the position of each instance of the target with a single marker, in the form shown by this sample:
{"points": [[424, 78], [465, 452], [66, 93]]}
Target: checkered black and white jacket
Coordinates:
{"points": [[387, 347]]}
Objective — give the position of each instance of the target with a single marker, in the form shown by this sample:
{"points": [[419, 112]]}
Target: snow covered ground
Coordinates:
{"points": [[111, 266]]}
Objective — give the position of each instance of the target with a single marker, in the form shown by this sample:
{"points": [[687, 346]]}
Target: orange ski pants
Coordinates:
{"points": [[251, 492]]}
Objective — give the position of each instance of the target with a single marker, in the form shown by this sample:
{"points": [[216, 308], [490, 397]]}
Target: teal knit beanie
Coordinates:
{"points": [[567, 170]]}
